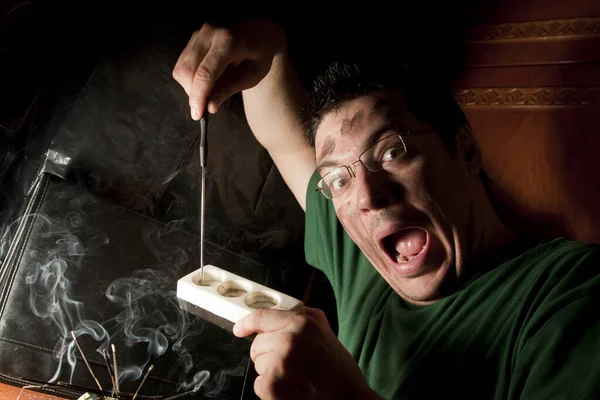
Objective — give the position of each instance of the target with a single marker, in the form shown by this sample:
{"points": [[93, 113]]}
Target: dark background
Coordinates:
{"points": [[50, 49], [91, 80]]}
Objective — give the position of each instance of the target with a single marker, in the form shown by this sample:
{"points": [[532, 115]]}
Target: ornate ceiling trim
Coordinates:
{"points": [[556, 28], [530, 96]]}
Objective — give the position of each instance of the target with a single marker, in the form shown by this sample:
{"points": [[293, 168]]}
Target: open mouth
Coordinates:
{"points": [[406, 244]]}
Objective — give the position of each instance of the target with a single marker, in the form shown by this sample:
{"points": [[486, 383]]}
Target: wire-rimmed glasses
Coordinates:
{"points": [[379, 155]]}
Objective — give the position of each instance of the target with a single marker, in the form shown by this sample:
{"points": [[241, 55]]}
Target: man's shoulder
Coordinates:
{"points": [[543, 268], [561, 252], [558, 334], [535, 253], [561, 266]]}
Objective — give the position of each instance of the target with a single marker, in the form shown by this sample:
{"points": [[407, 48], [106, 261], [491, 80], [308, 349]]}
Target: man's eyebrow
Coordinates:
{"points": [[326, 164], [378, 133], [328, 148], [329, 145]]}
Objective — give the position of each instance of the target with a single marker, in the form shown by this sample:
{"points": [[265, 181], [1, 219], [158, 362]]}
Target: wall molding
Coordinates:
{"points": [[529, 97], [554, 28]]}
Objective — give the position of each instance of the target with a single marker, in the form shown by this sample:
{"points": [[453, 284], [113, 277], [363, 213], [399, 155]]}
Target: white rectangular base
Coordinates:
{"points": [[230, 296]]}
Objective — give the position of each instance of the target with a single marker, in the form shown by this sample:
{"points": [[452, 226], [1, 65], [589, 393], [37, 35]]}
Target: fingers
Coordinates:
{"points": [[264, 320], [266, 384], [219, 62], [202, 63], [234, 80], [262, 344], [209, 71], [318, 315], [263, 364], [261, 388], [273, 387], [188, 61], [284, 350]]}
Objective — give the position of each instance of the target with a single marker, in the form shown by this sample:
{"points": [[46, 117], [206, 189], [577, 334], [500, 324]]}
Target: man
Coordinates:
{"points": [[435, 296]]}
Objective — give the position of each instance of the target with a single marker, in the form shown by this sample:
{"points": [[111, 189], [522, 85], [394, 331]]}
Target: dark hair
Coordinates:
{"points": [[428, 97]]}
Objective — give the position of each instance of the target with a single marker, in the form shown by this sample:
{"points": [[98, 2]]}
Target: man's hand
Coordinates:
{"points": [[219, 62], [298, 356], [251, 56]]}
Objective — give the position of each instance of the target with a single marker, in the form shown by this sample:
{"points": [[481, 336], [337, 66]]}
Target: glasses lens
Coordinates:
{"points": [[335, 182], [322, 187], [386, 150]]}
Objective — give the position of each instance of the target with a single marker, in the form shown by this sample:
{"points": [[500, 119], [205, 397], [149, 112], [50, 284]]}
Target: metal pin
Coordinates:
{"points": [[116, 371], [80, 389], [178, 396], [110, 372], [85, 360], [143, 381], [203, 158]]}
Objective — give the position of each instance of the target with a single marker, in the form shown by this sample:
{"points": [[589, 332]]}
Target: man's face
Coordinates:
{"points": [[412, 219]]}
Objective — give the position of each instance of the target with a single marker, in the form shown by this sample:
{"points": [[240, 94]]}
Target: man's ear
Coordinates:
{"points": [[468, 149]]}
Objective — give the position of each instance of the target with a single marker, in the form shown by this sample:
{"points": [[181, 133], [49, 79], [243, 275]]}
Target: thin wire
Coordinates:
{"points": [[23, 388], [87, 364], [202, 191], [116, 370], [203, 154], [150, 368], [178, 396], [112, 378]]}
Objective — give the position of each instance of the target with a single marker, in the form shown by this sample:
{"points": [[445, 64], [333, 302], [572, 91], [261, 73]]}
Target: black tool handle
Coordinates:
{"points": [[203, 140]]}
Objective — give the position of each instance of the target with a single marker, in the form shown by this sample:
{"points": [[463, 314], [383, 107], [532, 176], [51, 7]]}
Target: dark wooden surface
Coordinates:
{"points": [[531, 90], [8, 392]]}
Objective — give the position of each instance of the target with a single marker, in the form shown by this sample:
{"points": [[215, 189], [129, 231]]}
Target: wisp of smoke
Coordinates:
{"points": [[141, 299], [50, 299]]}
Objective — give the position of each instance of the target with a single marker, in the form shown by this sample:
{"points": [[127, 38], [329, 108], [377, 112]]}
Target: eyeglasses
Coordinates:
{"points": [[378, 156]]}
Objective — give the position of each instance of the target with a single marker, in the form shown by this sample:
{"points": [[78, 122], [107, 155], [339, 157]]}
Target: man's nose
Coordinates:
{"points": [[373, 189]]}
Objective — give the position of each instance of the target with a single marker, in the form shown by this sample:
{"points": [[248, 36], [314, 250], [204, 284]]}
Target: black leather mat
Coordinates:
{"points": [[81, 263]]}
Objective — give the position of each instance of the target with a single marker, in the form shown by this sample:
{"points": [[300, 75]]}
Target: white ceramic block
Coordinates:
{"points": [[230, 296]]}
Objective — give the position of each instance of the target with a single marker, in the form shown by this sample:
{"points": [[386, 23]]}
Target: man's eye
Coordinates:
{"points": [[392, 153], [338, 183]]}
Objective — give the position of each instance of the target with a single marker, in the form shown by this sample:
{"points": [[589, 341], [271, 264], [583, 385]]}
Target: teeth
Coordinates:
{"points": [[402, 259]]}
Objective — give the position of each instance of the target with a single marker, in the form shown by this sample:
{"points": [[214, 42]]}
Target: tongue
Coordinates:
{"points": [[410, 242]]}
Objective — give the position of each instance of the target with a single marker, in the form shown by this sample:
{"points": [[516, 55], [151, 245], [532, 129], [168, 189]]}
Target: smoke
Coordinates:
{"points": [[135, 296], [147, 318], [197, 382], [222, 377], [49, 294], [170, 177], [167, 256]]}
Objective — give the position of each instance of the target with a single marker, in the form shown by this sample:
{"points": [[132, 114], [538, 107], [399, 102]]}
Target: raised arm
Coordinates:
{"points": [[251, 56]]}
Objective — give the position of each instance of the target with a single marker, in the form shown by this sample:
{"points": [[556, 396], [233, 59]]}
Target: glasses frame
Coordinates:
{"points": [[350, 167]]}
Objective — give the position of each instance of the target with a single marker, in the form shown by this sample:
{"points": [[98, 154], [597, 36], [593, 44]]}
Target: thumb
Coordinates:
{"points": [[318, 315], [234, 80]]}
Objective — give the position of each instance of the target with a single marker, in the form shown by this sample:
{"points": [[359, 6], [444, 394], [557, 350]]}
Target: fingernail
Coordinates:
{"points": [[212, 107], [235, 329], [195, 114]]}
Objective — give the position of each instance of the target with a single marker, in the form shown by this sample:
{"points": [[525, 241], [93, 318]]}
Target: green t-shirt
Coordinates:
{"points": [[527, 326]]}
